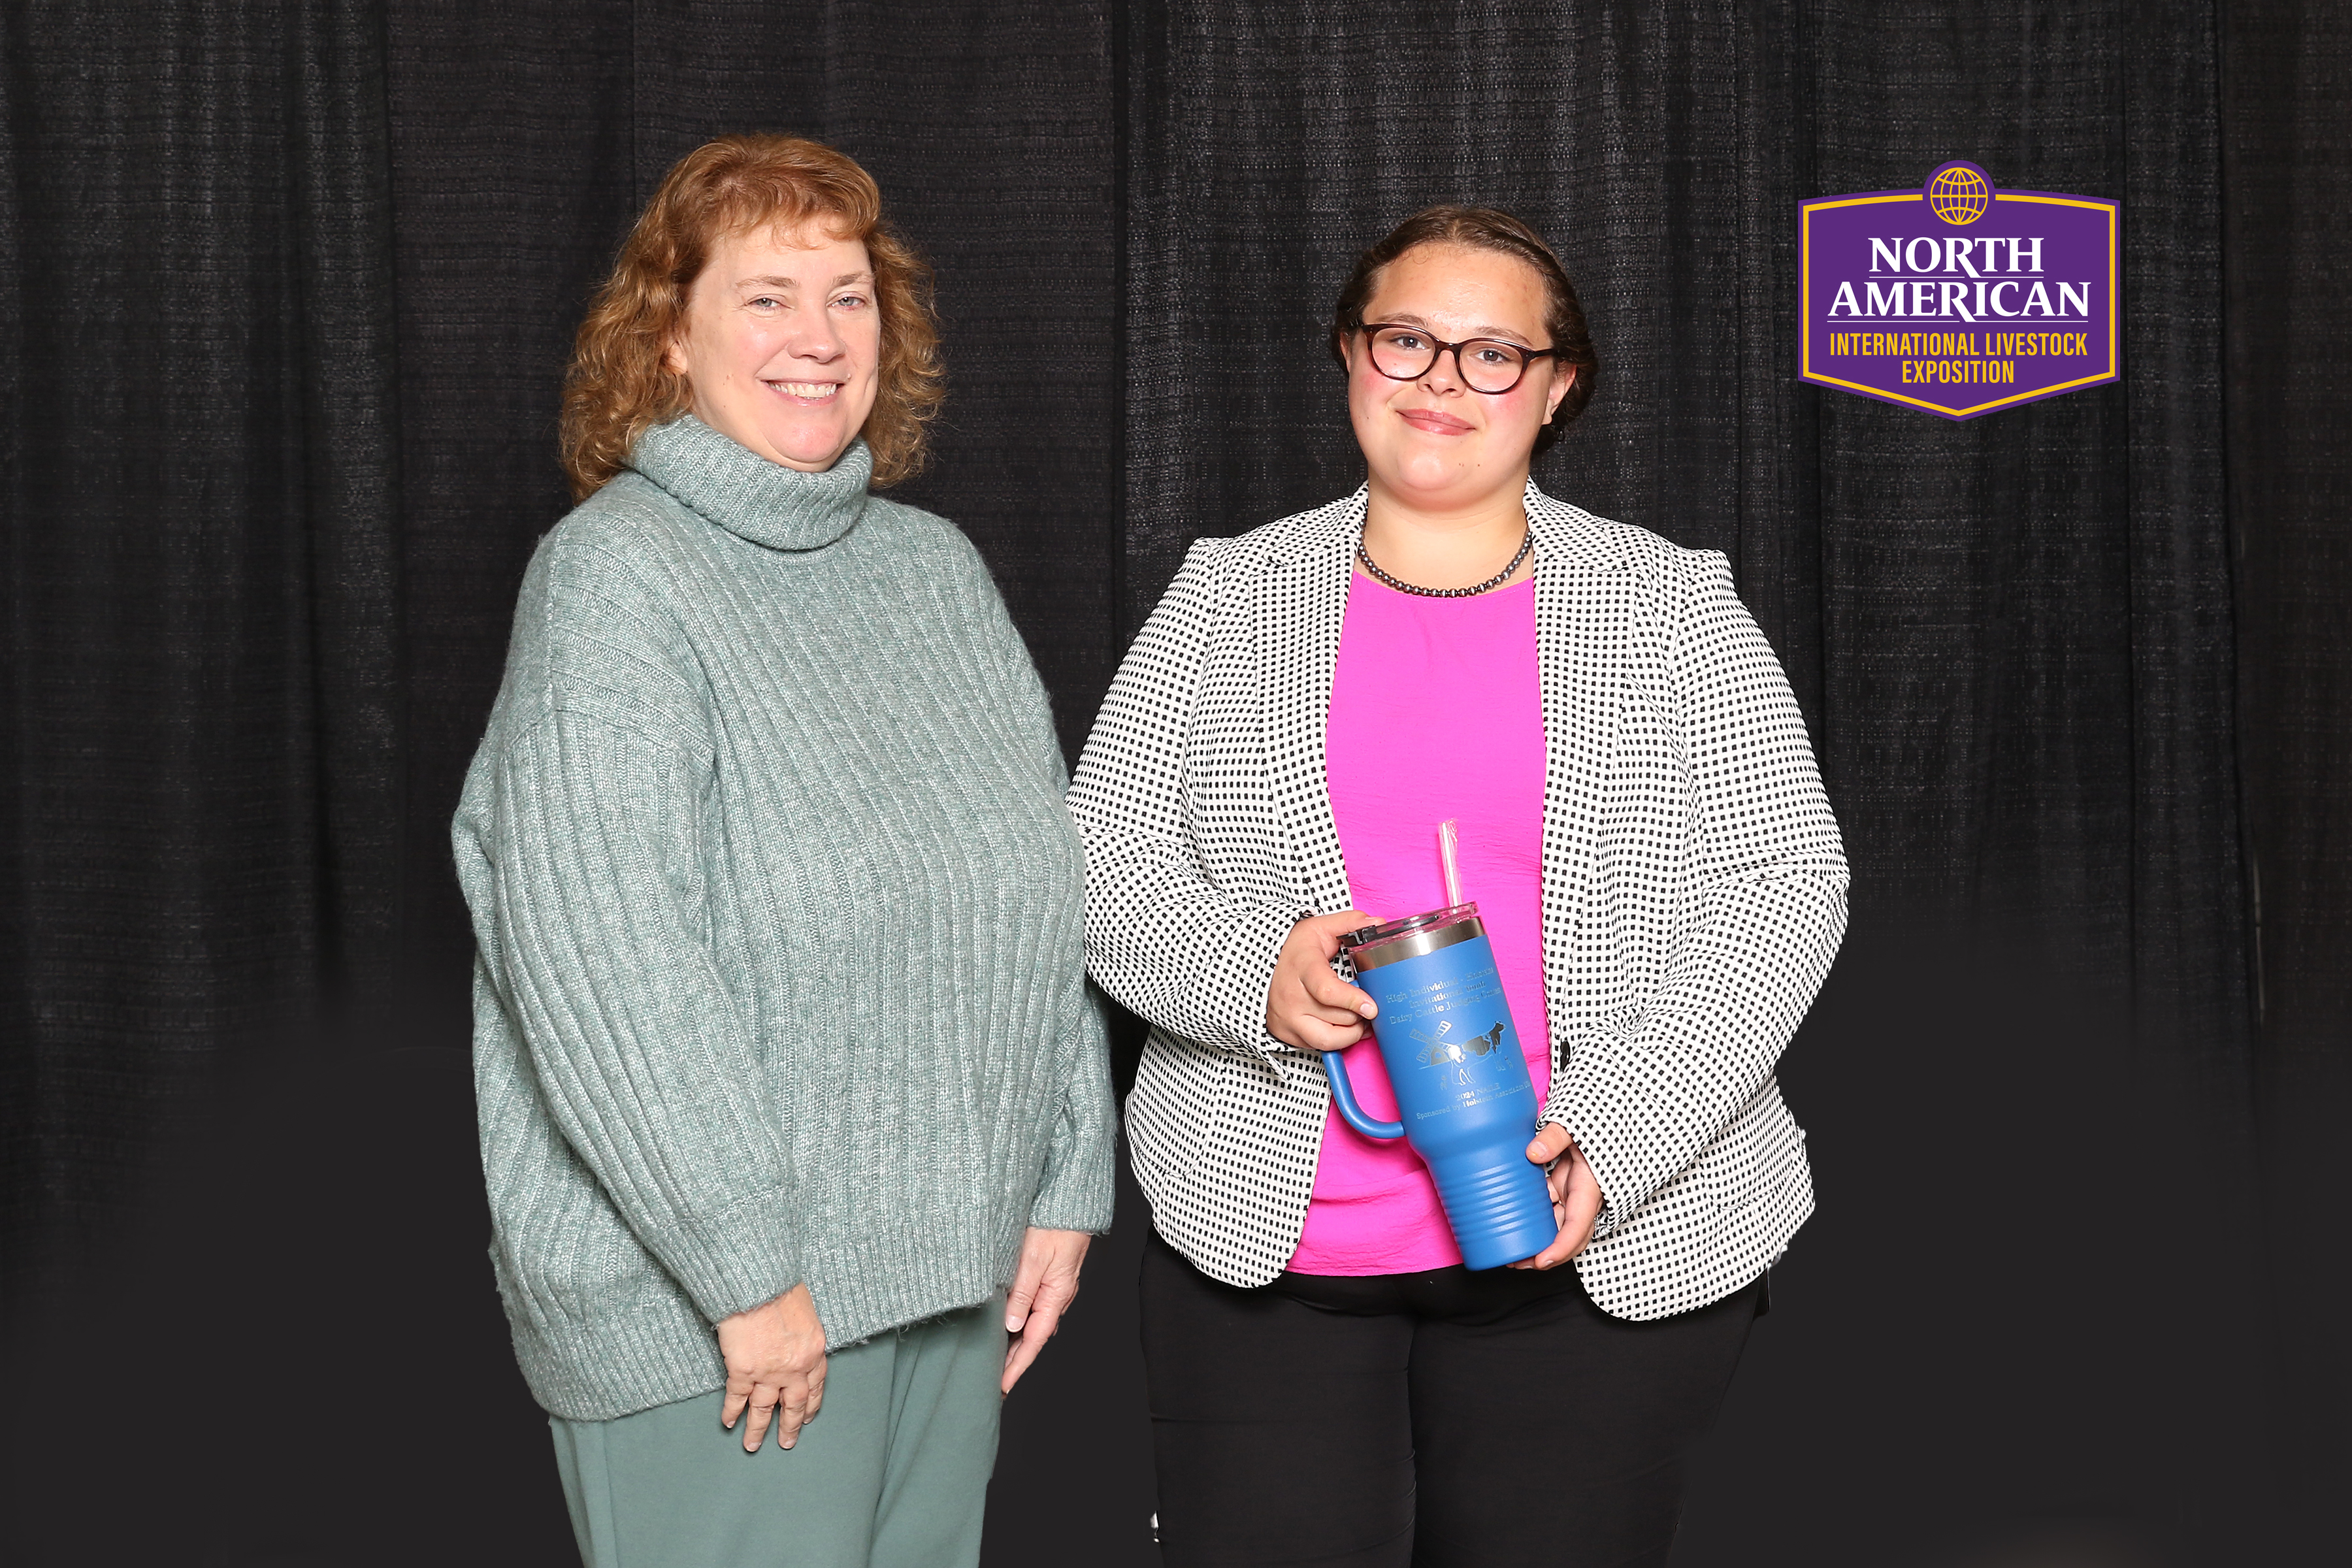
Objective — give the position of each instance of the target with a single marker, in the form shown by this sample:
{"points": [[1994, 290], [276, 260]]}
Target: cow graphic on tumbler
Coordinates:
{"points": [[1456, 1054]]}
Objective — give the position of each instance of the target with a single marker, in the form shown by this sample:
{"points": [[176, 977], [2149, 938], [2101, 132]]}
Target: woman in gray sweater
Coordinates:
{"points": [[792, 1095]]}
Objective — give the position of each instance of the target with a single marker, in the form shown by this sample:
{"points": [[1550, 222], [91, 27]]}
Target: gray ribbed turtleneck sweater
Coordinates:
{"points": [[780, 975]]}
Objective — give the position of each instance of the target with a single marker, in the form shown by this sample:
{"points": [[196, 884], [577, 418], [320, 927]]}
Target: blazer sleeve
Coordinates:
{"points": [[1642, 1096], [1162, 938]]}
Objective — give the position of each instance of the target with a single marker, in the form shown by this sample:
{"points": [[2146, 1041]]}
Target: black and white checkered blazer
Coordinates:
{"points": [[1694, 894]]}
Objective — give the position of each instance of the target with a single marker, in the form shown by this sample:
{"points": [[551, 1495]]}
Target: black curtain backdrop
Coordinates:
{"points": [[289, 292], [2287, 178]]}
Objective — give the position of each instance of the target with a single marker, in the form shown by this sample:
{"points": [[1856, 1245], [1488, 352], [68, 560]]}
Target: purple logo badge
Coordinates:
{"points": [[1956, 298]]}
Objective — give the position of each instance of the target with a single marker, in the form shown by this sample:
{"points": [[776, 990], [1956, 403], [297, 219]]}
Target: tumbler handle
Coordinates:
{"points": [[1343, 1095]]}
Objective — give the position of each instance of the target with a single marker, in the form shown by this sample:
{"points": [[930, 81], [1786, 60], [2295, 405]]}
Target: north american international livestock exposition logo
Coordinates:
{"points": [[1958, 297]]}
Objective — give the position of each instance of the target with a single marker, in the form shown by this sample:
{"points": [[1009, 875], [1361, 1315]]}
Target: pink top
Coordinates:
{"points": [[1454, 682]]}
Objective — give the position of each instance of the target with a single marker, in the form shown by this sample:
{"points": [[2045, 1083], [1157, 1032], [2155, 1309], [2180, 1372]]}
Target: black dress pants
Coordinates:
{"points": [[1438, 1420]]}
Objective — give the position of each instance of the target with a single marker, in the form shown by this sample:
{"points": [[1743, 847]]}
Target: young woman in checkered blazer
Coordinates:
{"points": [[1645, 833]]}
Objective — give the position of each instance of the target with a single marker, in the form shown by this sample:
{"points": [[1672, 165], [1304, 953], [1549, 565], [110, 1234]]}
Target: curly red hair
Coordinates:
{"points": [[619, 385]]}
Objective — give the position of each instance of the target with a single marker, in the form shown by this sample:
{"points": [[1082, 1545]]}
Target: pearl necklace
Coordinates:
{"points": [[1526, 543]]}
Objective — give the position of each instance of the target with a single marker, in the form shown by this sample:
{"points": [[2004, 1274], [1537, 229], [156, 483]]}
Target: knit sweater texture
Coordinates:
{"points": [[780, 975]]}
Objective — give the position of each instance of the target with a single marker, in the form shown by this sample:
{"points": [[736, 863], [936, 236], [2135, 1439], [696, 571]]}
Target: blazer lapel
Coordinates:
{"points": [[1302, 604], [1585, 592]]}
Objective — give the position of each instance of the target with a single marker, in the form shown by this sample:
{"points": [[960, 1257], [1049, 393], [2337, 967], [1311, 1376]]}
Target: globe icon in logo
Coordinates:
{"points": [[1959, 194]]}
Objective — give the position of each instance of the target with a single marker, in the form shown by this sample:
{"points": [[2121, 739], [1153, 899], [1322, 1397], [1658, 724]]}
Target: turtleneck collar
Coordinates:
{"points": [[745, 494]]}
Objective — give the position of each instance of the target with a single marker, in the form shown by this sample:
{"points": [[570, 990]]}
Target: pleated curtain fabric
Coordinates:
{"points": [[201, 716], [2287, 228]]}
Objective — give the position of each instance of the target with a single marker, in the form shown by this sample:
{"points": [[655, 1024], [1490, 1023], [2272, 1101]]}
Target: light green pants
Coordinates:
{"points": [[893, 1473]]}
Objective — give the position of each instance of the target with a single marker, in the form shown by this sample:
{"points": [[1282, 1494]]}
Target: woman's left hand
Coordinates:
{"points": [[1043, 1289], [1575, 1194]]}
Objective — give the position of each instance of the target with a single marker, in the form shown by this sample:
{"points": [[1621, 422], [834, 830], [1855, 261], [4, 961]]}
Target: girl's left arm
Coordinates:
{"points": [[1643, 1095]]}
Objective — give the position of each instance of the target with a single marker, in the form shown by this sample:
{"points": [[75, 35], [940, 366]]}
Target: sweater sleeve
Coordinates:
{"points": [[1161, 937], [588, 896], [1642, 1097], [640, 1052], [1076, 1191]]}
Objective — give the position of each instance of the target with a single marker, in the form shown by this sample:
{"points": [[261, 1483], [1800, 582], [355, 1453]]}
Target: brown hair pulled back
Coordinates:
{"points": [[619, 385], [1482, 228]]}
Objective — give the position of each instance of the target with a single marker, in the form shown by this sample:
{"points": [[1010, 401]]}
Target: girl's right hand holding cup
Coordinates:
{"points": [[1308, 1007]]}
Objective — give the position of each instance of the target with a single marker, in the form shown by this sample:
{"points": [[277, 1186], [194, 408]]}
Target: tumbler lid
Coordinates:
{"points": [[1391, 930]]}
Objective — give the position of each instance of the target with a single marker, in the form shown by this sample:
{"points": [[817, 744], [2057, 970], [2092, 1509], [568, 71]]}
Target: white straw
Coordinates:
{"points": [[1448, 848]]}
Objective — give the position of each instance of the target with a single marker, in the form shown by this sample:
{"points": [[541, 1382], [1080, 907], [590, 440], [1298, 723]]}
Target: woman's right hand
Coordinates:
{"points": [[775, 1366], [1307, 1005]]}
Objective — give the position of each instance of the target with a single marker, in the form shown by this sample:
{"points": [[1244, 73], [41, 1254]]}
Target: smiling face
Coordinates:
{"points": [[1432, 443], [782, 343]]}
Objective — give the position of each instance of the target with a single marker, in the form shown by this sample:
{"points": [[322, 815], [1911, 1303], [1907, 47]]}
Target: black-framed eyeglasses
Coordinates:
{"points": [[1485, 364]]}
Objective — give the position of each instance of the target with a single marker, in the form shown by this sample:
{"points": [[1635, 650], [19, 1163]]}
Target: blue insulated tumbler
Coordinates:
{"points": [[1461, 1078]]}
